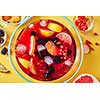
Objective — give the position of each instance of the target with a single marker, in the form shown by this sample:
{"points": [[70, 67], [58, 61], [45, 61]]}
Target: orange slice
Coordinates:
{"points": [[46, 33], [54, 27], [51, 48], [32, 46]]}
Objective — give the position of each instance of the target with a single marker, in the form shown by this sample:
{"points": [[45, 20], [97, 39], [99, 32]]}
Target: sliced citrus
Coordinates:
{"points": [[24, 62], [46, 33], [65, 37], [31, 67], [54, 27], [32, 45]]}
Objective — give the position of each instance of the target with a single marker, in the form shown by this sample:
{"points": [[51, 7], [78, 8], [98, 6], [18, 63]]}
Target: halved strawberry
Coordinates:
{"points": [[32, 45], [65, 37], [46, 33], [52, 49], [31, 67]]}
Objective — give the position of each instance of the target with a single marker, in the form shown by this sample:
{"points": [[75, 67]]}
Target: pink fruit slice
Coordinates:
{"points": [[65, 37], [51, 48], [31, 67], [32, 46], [86, 78]]}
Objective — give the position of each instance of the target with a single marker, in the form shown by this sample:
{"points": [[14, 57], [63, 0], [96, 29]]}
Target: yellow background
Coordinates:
{"points": [[91, 61]]}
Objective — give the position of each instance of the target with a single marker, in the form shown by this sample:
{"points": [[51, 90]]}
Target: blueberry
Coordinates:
{"points": [[46, 75], [39, 40], [33, 33], [55, 40], [51, 69], [4, 51], [1, 33], [1, 40], [42, 41], [57, 59], [69, 52]]}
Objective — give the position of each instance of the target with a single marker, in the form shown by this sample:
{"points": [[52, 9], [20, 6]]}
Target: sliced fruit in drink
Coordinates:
{"points": [[46, 33], [31, 67], [51, 48], [65, 37], [32, 46], [54, 27], [24, 62]]}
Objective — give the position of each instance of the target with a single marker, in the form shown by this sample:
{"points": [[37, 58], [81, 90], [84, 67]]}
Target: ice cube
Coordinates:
{"points": [[21, 48], [40, 47], [43, 23], [68, 62], [48, 60], [31, 25]]}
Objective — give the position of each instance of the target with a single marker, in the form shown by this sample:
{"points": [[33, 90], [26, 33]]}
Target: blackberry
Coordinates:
{"points": [[4, 51], [33, 33], [55, 40], [57, 59], [46, 75], [1, 33], [51, 69], [69, 52], [1, 40]]}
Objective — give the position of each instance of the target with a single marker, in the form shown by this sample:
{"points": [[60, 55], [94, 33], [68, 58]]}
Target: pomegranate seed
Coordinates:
{"points": [[76, 23]]}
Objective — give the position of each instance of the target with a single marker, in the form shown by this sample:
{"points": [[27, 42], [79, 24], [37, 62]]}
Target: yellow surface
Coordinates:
{"points": [[91, 62]]}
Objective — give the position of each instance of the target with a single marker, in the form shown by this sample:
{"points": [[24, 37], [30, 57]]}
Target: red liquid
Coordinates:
{"points": [[43, 69]]}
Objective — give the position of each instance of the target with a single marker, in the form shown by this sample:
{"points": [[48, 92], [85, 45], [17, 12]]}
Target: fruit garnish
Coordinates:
{"points": [[48, 60], [65, 37], [54, 27], [57, 59], [24, 62], [51, 48], [1, 40], [46, 75], [6, 18], [15, 19], [32, 45], [86, 49], [82, 22], [31, 67], [2, 33], [33, 33], [86, 78], [51, 69], [3, 69], [46, 33], [21, 49], [4, 51]]}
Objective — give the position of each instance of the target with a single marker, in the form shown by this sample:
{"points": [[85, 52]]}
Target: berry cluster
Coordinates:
{"points": [[81, 23]]}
